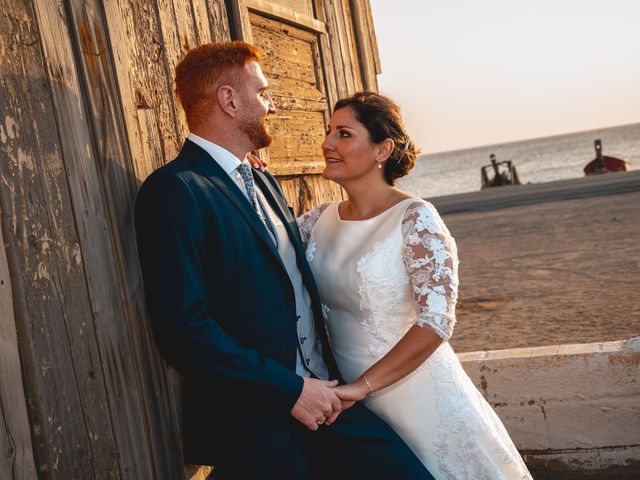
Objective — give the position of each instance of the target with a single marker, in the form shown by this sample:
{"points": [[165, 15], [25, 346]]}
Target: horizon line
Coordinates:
{"points": [[527, 139]]}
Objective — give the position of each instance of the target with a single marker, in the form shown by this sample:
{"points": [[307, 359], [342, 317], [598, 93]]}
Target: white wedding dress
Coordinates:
{"points": [[377, 278]]}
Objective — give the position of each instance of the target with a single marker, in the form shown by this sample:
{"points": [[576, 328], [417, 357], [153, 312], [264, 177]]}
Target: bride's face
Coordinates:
{"points": [[348, 151]]}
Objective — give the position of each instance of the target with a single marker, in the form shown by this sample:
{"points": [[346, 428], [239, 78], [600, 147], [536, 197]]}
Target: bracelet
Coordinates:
{"points": [[370, 394]]}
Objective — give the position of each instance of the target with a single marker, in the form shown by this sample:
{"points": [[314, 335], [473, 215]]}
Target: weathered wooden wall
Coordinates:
{"points": [[87, 111]]}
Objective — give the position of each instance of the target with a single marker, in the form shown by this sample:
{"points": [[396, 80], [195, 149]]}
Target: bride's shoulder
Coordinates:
{"points": [[419, 207], [422, 215], [308, 219]]}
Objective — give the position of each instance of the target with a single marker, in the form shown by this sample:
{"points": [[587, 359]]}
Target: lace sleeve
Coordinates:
{"points": [[431, 260], [307, 220]]}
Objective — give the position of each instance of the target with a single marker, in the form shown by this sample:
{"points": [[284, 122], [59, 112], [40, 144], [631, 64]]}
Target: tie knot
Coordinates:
{"points": [[245, 170]]}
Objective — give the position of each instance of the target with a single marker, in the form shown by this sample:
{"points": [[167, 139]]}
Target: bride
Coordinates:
{"points": [[386, 268]]}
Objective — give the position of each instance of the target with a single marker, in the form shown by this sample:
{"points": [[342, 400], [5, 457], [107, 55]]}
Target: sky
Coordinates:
{"points": [[468, 73]]}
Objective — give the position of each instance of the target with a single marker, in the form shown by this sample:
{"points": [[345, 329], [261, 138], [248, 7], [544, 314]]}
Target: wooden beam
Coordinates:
{"points": [[241, 23], [372, 37], [366, 58], [288, 15]]}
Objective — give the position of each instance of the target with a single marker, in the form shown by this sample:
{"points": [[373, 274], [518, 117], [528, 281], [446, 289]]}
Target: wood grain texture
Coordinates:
{"points": [[343, 54], [55, 322], [373, 40], [298, 17], [292, 65], [16, 454], [241, 28], [362, 37]]}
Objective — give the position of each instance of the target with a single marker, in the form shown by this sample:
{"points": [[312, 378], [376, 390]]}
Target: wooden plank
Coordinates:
{"points": [[218, 20], [202, 30], [340, 53], [286, 14], [55, 320], [241, 28], [349, 38], [145, 83], [16, 457], [373, 41], [177, 28], [362, 41], [326, 61]]}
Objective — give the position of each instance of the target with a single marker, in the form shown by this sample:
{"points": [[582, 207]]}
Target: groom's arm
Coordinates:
{"points": [[170, 237]]}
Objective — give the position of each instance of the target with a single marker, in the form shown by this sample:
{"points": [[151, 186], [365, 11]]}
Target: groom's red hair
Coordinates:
{"points": [[204, 69]]}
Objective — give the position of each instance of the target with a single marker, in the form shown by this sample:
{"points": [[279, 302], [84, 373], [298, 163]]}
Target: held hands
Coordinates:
{"points": [[349, 394], [322, 401], [317, 402]]}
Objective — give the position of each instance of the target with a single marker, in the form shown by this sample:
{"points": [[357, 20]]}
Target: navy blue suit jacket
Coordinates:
{"points": [[222, 308]]}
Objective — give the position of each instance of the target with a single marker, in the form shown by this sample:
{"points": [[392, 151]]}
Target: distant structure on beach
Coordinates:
{"points": [[603, 163], [501, 176]]}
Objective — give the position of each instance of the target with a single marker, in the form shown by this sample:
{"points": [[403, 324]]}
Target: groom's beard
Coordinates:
{"points": [[256, 131]]}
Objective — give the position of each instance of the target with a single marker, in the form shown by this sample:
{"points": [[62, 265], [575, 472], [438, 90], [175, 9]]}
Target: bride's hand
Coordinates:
{"points": [[353, 392], [256, 162], [348, 394]]}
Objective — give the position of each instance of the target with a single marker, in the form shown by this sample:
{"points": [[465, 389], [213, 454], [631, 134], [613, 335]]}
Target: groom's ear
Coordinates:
{"points": [[384, 149], [227, 100]]}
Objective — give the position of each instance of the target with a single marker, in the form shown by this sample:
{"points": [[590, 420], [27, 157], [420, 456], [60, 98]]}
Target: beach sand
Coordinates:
{"points": [[550, 264]]}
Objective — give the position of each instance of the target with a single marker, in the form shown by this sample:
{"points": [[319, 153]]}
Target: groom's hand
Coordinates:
{"points": [[317, 402]]}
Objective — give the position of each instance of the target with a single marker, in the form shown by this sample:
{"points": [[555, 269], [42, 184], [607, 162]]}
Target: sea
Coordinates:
{"points": [[536, 160]]}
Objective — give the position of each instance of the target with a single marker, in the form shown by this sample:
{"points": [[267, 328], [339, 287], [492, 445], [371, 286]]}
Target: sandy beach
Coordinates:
{"points": [[547, 264]]}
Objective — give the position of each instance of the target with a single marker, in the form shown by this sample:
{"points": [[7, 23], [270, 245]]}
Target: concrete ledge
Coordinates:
{"points": [[572, 410]]}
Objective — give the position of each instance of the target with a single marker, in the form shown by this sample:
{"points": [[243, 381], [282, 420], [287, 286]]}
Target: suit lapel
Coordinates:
{"points": [[208, 167], [282, 210]]}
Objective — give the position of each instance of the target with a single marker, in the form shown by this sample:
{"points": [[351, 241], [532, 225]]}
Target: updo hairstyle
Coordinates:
{"points": [[382, 118]]}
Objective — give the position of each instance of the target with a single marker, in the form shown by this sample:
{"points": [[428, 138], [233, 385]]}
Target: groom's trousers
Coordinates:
{"points": [[358, 445]]}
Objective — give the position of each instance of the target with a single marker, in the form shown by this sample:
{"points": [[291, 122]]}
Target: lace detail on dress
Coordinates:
{"points": [[468, 429], [305, 222], [431, 260], [382, 278]]}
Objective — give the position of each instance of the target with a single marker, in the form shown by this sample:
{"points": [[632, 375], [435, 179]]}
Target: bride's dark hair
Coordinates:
{"points": [[382, 118]]}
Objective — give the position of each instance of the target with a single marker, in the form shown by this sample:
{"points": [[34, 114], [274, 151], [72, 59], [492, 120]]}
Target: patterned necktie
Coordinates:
{"points": [[247, 178]]}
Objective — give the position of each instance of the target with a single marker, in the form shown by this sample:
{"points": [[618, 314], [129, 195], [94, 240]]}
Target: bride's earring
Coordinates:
{"points": [[380, 165]]}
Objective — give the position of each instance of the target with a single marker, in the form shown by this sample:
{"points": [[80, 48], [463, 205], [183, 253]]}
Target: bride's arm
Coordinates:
{"points": [[431, 261]]}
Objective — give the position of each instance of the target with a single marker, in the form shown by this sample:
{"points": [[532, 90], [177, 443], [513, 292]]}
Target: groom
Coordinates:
{"points": [[232, 302]]}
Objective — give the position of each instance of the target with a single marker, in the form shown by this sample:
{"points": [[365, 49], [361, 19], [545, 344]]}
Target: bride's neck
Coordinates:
{"points": [[366, 200]]}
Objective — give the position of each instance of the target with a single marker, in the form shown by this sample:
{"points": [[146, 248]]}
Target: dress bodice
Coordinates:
{"points": [[378, 277]]}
